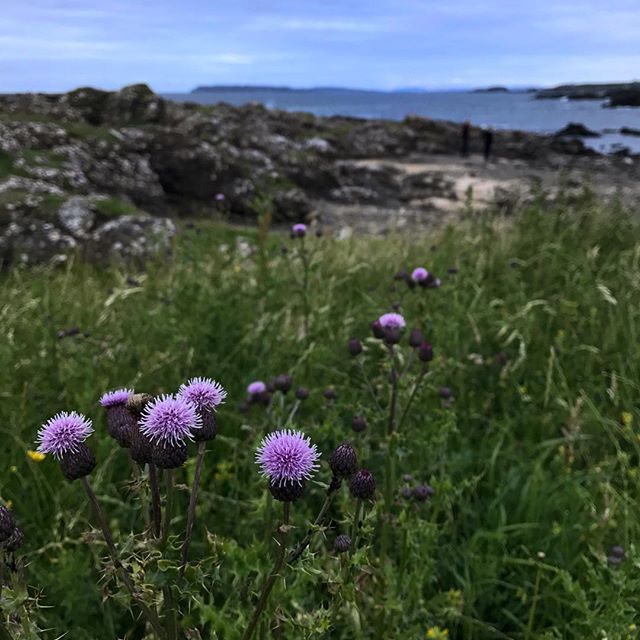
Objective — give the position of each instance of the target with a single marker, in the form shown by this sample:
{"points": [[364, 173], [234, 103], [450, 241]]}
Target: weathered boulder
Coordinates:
{"points": [[34, 241], [132, 238], [77, 216], [291, 204], [190, 168]]}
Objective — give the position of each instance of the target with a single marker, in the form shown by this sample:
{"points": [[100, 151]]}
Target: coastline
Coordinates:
{"points": [[95, 170]]}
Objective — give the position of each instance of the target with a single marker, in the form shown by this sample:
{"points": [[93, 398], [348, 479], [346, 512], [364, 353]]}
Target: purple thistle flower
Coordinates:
{"points": [[287, 456], [204, 393], [392, 321], [114, 398], [299, 230], [256, 388], [169, 420], [419, 274], [220, 197], [64, 433]]}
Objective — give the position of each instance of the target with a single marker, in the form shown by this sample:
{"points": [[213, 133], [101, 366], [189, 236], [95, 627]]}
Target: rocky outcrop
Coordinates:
{"points": [[625, 98], [615, 94], [100, 172], [576, 130]]}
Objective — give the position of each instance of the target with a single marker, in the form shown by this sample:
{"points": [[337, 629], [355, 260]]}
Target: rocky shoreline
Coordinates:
{"points": [[105, 173], [614, 94]]}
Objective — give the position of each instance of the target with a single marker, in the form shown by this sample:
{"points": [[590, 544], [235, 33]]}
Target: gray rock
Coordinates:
{"points": [[319, 145], [291, 204], [34, 242], [29, 185], [76, 215], [133, 237]]}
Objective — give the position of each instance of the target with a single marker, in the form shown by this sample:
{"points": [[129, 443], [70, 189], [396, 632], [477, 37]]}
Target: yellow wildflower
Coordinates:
{"points": [[36, 456], [437, 633], [627, 418]]}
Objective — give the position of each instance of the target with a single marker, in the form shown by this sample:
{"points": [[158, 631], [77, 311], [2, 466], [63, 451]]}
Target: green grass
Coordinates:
{"points": [[6, 164], [535, 470], [114, 207]]}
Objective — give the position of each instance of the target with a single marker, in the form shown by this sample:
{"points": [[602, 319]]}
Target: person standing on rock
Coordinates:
{"points": [[466, 130], [487, 142]]}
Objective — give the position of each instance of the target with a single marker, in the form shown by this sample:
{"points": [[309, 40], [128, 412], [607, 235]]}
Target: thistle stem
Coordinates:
{"points": [[394, 394], [283, 531], [191, 515], [155, 499], [305, 287], [149, 614], [168, 507], [294, 409], [355, 526], [368, 383], [306, 541], [414, 391]]}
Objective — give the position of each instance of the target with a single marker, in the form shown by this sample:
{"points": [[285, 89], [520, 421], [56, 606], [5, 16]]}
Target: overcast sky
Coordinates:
{"points": [[53, 45]]}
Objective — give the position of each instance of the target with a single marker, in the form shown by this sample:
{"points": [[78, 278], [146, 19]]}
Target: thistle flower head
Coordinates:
{"points": [[117, 397], [204, 393], [169, 420], [64, 433], [299, 230], [256, 388], [420, 274], [392, 321], [287, 456]]}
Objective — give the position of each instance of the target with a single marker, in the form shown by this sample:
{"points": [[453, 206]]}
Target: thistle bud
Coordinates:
{"points": [[343, 460], [330, 394], [169, 456], [287, 490], [120, 420], [423, 492], [392, 335], [302, 393], [416, 338], [377, 330], [78, 463], [140, 448], [425, 352], [354, 347], [445, 393], [363, 485], [406, 493], [282, 382], [209, 428], [342, 543], [358, 424]]}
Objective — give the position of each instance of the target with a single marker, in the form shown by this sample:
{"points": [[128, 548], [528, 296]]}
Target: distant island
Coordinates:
{"points": [[617, 94], [495, 89]]}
